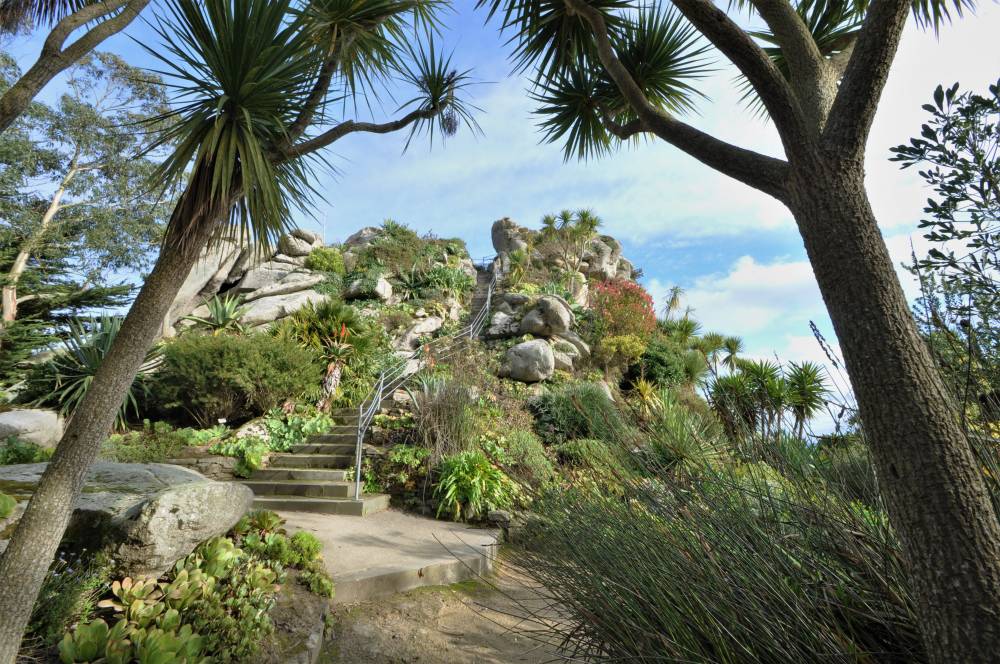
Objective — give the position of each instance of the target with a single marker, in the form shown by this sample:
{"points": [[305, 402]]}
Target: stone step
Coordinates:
{"points": [[336, 461], [319, 447], [334, 438], [301, 474], [342, 429], [308, 489], [368, 504]]}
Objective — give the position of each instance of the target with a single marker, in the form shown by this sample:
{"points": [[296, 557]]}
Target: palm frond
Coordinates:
{"points": [[441, 88], [15, 14], [240, 70]]}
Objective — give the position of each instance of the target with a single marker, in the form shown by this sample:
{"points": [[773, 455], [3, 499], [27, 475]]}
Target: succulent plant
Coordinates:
{"points": [[86, 643], [218, 555], [159, 646], [128, 591], [186, 587]]}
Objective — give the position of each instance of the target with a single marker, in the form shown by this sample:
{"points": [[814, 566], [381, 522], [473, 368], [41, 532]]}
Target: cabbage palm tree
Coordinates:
{"points": [[251, 80], [807, 392], [609, 72]]}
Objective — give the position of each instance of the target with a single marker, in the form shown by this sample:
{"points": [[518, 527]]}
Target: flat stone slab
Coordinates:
{"points": [[392, 552]]}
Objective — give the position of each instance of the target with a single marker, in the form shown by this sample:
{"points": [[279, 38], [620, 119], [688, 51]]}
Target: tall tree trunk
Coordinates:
{"points": [[928, 472], [9, 296], [25, 562]]}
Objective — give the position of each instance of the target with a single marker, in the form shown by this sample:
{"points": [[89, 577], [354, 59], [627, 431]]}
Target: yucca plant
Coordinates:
{"points": [[224, 314], [66, 378], [250, 82]]}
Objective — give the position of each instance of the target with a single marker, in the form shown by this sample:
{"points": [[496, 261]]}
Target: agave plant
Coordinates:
{"points": [[224, 314], [66, 378]]}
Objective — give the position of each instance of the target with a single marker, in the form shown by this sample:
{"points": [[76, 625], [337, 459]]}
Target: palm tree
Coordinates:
{"points": [[807, 392], [250, 78], [611, 72], [733, 347], [711, 345], [673, 303]]}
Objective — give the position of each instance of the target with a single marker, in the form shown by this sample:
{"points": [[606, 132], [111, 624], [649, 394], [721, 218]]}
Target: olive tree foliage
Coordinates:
{"points": [[85, 24], [255, 86], [958, 156], [606, 72], [76, 202]]}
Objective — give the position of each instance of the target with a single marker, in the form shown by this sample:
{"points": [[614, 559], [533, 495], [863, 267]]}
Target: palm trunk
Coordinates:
{"points": [[928, 473], [330, 384], [25, 562], [9, 295]]}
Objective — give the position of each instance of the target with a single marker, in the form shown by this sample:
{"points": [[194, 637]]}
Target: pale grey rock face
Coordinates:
{"points": [[205, 278], [574, 339], [563, 361], [602, 257], [263, 275], [530, 362], [146, 515], [268, 309], [502, 325], [411, 338], [312, 238], [291, 283], [515, 299], [291, 245], [468, 267], [152, 535], [550, 316], [357, 290], [297, 261], [508, 237], [362, 238], [35, 425]]}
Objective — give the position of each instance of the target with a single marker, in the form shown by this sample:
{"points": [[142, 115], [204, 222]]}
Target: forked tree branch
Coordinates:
{"points": [[734, 42], [54, 59], [792, 35], [839, 60], [751, 168], [864, 78], [351, 127]]}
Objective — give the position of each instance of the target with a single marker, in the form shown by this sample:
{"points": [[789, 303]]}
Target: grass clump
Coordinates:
{"points": [[577, 410], [13, 450]]}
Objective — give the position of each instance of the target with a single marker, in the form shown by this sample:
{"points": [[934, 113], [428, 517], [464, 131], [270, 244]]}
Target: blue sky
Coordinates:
{"points": [[735, 251]]}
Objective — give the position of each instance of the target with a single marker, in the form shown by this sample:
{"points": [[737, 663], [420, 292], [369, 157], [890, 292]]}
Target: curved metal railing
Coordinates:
{"points": [[441, 348]]}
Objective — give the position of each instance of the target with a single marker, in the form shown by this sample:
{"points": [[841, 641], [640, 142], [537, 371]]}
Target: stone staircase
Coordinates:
{"points": [[316, 476]]}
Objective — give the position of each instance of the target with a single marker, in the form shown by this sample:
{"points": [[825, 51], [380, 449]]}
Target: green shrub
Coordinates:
{"points": [[325, 259], [232, 378], [469, 486], [738, 564], [520, 453], [285, 430], [306, 546], [7, 505], [248, 450], [69, 595], [317, 580], [156, 442], [63, 381], [662, 364], [14, 450], [577, 410]]}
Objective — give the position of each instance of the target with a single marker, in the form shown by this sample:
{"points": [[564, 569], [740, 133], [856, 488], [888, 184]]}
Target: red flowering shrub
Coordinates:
{"points": [[620, 308]]}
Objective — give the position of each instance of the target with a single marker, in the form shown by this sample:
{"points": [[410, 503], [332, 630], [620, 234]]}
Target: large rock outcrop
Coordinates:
{"points": [[549, 316], [35, 425], [146, 516], [529, 362]]}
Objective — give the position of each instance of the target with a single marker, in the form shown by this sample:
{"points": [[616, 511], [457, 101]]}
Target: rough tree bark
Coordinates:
{"points": [[40, 529], [928, 472]]}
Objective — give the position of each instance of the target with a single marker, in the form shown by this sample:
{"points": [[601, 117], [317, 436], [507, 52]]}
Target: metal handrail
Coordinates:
{"points": [[394, 376]]}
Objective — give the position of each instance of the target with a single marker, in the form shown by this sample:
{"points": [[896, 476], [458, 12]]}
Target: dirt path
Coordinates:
{"points": [[467, 623]]}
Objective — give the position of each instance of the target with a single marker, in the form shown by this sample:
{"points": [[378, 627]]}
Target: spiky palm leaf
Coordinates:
{"points": [[17, 13], [224, 315], [807, 392], [241, 71], [72, 370]]}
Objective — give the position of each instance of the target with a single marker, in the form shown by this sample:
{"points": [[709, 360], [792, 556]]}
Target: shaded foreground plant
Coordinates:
{"points": [[736, 563]]}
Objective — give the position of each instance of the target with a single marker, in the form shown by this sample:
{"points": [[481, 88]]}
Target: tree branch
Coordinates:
{"points": [[864, 78], [838, 61], [53, 59], [751, 168], [772, 88], [350, 127]]}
